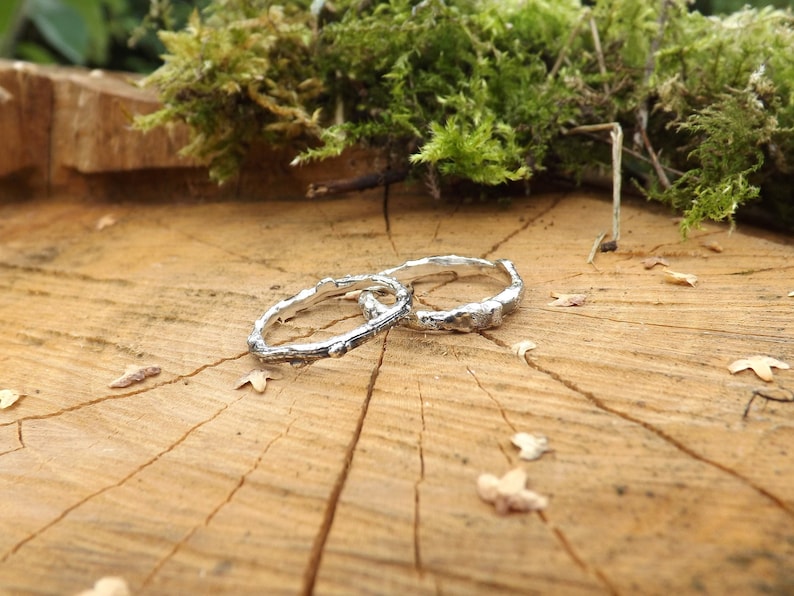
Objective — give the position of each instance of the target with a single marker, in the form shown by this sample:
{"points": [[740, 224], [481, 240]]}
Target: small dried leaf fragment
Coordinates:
{"points": [[257, 378], [531, 446], [509, 493], [683, 279], [567, 299], [108, 586], [652, 262], [134, 374], [8, 397], [761, 366], [105, 222], [521, 348], [712, 245]]}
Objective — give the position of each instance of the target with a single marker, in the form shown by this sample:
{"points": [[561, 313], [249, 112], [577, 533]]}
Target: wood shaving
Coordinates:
{"points": [[108, 586], [712, 245], [567, 299], [531, 446], [105, 222], [509, 493], [682, 279], [761, 366], [352, 295], [134, 374], [8, 397], [652, 262], [257, 379], [521, 348]]}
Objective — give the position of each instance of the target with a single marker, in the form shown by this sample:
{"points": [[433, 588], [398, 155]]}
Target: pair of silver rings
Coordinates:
{"points": [[379, 317]]}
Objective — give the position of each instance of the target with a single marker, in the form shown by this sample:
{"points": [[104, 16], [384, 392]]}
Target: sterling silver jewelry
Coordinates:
{"points": [[303, 354], [467, 317]]}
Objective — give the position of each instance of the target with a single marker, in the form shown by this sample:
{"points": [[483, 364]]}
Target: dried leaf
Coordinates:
{"points": [[521, 348], [509, 493], [134, 374], [651, 262], [761, 366], [683, 279], [568, 299], [257, 378], [105, 222], [8, 397], [531, 446], [712, 245], [108, 586]]}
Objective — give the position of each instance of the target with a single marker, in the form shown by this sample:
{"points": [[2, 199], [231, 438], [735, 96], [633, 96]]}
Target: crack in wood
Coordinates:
{"points": [[493, 399], [61, 274], [211, 515], [316, 554], [67, 510], [558, 534], [245, 258], [523, 227], [475, 585], [387, 221], [703, 330], [417, 542], [683, 448], [21, 443], [126, 394], [566, 545]]}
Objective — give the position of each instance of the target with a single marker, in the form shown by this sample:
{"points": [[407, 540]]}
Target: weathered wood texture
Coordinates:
{"points": [[69, 130], [357, 475]]}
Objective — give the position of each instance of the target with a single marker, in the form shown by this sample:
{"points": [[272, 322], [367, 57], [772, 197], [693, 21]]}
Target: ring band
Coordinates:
{"points": [[465, 318], [303, 354]]}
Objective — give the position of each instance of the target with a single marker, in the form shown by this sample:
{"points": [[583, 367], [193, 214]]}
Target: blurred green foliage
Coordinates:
{"points": [[115, 34]]}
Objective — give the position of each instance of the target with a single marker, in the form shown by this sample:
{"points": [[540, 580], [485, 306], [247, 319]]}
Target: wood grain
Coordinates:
{"points": [[358, 475]]}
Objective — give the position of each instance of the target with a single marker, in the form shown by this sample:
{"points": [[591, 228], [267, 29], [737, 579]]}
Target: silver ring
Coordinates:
{"points": [[465, 318], [303, 354]]}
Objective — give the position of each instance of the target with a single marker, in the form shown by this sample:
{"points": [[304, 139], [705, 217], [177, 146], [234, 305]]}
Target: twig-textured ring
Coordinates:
{"points": [[303, 354], [467, 317]]}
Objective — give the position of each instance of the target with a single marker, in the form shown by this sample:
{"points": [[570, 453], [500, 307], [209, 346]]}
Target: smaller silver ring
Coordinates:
{"points": [[303, 354], [465, 318]]}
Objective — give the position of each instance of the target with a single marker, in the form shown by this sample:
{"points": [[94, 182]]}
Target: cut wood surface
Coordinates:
{"points": [[358, 474]]}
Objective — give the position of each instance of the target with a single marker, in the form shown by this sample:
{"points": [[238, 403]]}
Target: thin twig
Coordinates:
{"points": [[616, 136], [637, 155], [602, 65], [568, 43], [432, 183], [654, 159], [596, 244], [335, 187], [617, 177], [642, 110]]}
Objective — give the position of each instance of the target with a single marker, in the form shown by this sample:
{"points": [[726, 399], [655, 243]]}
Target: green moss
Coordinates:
{"points": [[485, 90]]}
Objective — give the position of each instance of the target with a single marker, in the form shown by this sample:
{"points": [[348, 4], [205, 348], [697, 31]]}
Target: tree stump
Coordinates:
{"points": [[359, 474]]}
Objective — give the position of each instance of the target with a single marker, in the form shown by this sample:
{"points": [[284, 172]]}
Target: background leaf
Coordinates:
{"points": [[10, 16], [62, 26]]}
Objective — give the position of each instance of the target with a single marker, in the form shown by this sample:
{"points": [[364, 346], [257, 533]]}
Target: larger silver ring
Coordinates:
{"points": [[465, 318], [303, 354]]}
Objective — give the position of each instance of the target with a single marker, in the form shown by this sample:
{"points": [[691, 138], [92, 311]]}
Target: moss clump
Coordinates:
{"points": [[485, 90]]}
